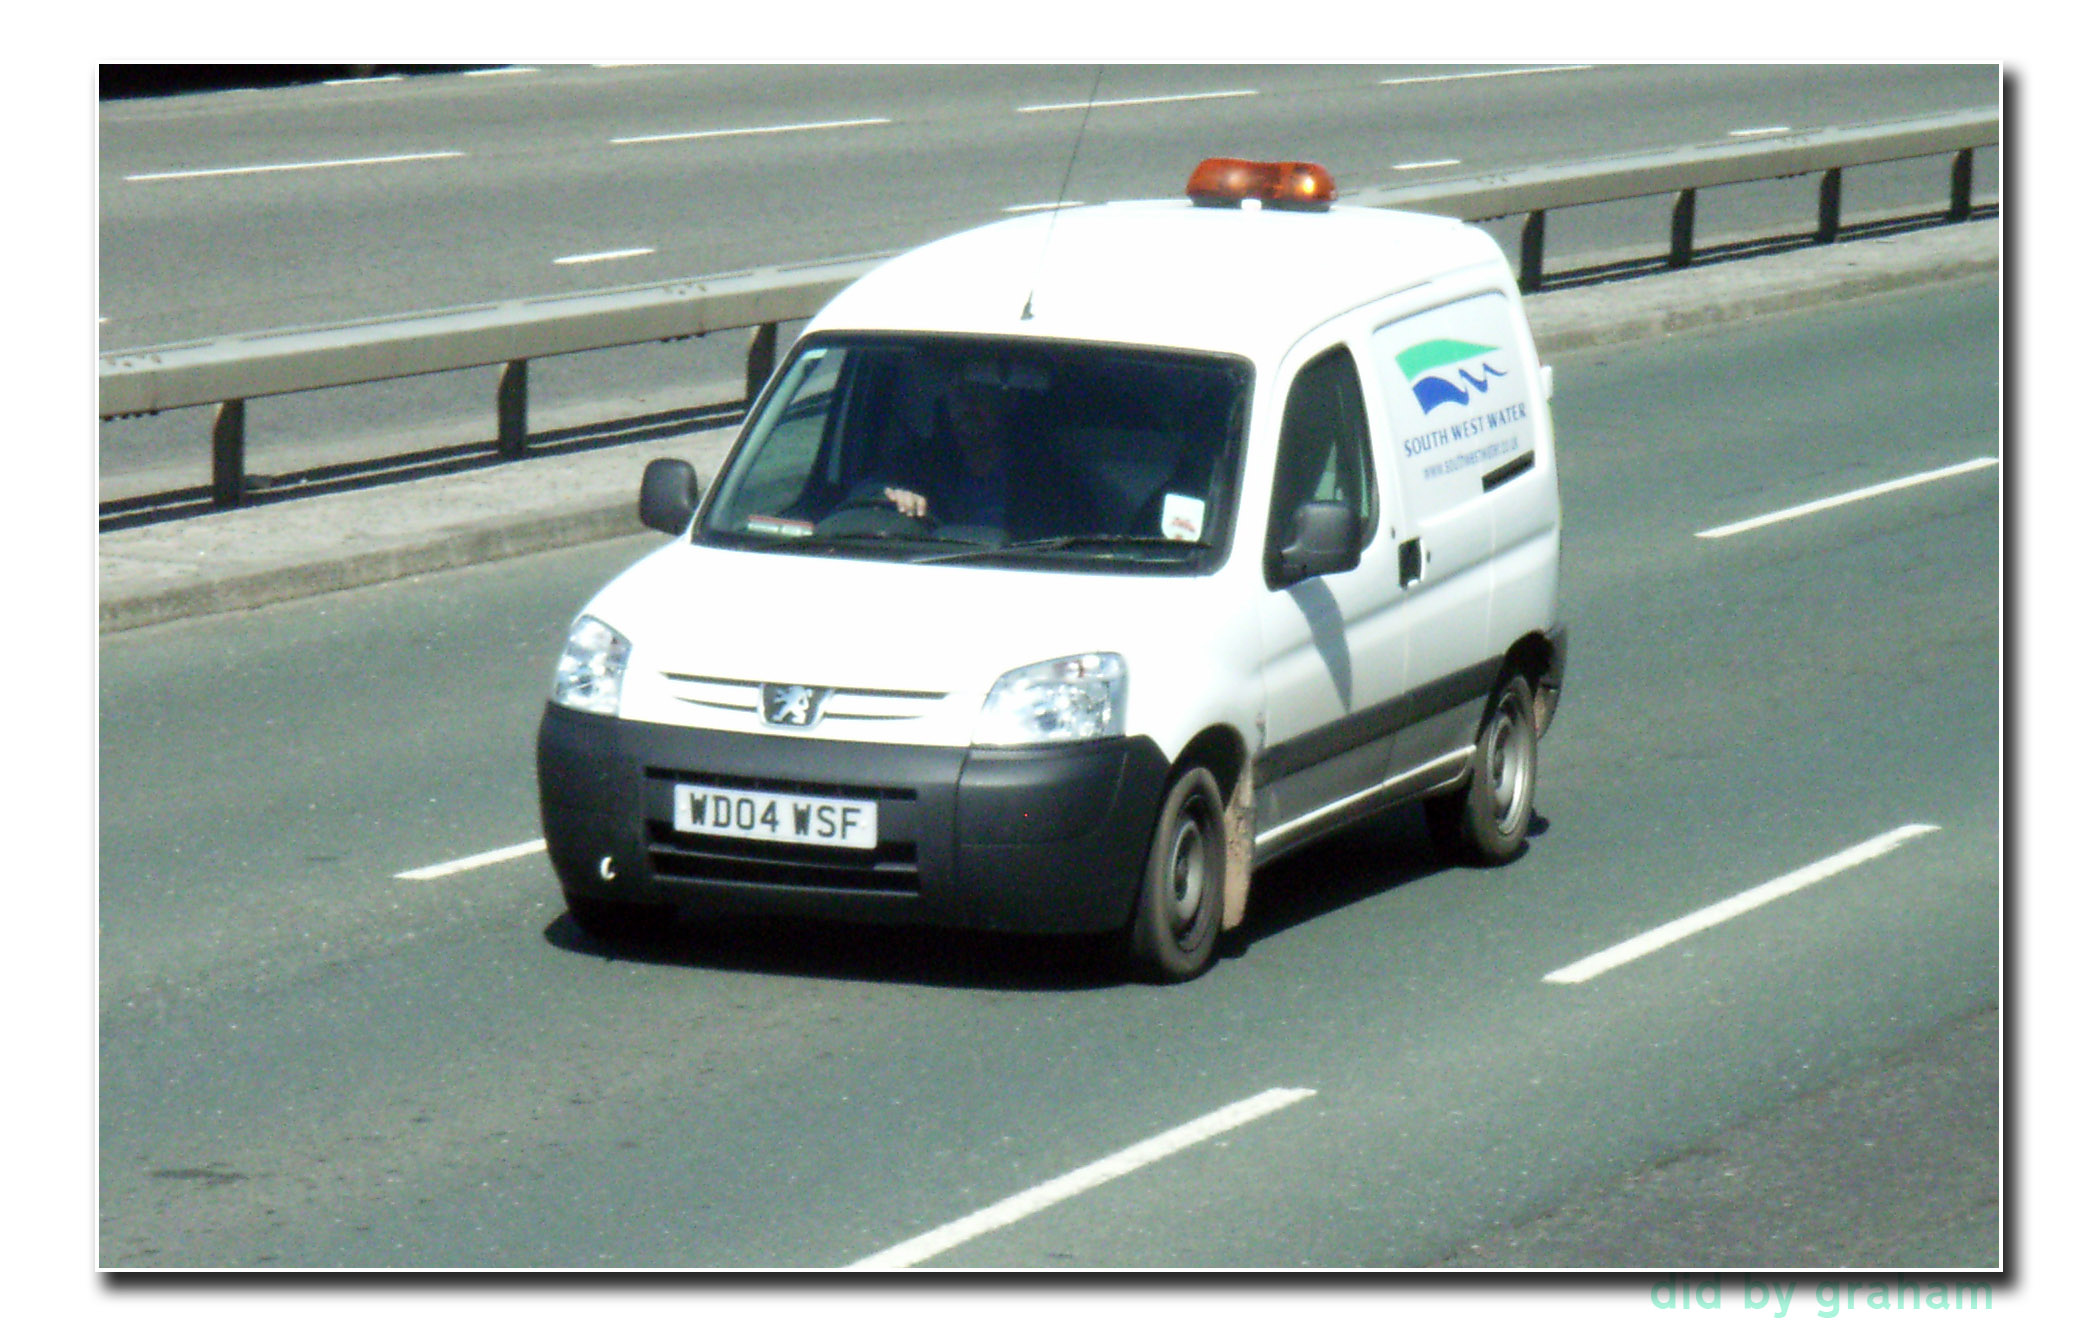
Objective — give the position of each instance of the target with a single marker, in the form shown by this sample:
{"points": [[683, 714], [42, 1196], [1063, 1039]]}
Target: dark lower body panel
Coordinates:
{"points": [[1416, 745], [1050, 839]]}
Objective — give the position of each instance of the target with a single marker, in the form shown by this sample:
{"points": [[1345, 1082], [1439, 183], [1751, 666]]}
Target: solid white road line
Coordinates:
{"points": [[1728, 908], [1418, 166], [1135, 101], [1483, 74], [293, 166], [1021, 1205], [505, 69], [751, 129], [475, 862], [1037, 208], [1761, 129], [607, 254], [1848, 497]]}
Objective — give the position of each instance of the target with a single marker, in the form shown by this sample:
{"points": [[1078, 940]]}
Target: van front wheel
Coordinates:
{"points": [[1488, 820], [1180, 905]]}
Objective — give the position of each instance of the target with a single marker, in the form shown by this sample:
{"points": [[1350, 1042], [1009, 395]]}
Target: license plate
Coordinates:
{"points": [[725, 812]]}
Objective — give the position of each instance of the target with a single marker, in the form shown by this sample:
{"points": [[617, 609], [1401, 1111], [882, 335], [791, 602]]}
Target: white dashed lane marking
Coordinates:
{"points": [[602, 255], [1661, 937], [1031, 1201], [1848, 497], [293, 166], [476, 861], [1134, 101], [805, 127]]}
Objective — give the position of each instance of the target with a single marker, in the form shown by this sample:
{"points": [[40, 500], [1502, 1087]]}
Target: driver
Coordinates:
{"points": [[979, 488]]}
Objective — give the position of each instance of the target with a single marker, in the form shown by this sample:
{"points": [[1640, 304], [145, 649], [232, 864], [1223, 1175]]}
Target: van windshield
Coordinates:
{"points": [[995, 451]]}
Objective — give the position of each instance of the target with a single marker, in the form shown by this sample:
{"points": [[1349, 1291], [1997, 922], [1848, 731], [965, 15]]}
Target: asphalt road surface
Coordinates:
{"points": [[240, 211], [307, 1060], [230, 212]]}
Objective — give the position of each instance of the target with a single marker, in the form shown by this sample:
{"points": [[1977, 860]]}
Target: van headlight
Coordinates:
{"points": [[1070, 699], [592, 664]]}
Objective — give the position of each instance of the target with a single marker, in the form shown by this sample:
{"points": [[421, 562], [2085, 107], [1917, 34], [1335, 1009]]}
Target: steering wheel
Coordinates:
{"points": [[871, 515]]}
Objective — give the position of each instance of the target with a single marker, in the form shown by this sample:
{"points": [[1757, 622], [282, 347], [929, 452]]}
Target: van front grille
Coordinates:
{"points": [[842, 702], [837, 790], [889, 867]]}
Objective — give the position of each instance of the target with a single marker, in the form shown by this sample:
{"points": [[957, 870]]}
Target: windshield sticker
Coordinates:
{"points": [[1181, 517], [779, 527], [1457, 358]]}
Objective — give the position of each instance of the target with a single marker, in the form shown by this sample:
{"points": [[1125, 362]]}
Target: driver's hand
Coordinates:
{"points": [[908, 503]]}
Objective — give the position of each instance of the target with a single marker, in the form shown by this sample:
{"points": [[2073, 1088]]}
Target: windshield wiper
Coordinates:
{"points": [[1064, 543]]}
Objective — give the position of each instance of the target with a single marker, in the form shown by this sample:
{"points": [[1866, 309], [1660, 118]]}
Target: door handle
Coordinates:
{"points": [[1410, 562]]}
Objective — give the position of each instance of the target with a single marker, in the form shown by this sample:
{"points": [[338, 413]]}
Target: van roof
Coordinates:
{"points": [[1162, 273]]}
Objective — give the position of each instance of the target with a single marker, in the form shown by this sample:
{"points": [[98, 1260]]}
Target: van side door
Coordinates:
{"points": [[1333, 651], [1453, 384]]}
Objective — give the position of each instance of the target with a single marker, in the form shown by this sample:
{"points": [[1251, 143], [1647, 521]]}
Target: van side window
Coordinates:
{"points": [[1324, 452]]}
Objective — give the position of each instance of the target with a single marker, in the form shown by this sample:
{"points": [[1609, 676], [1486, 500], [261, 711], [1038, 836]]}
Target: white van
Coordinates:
{"points": [[1071, 568]]}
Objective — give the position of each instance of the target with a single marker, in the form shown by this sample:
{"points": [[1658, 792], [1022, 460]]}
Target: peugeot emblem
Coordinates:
{"points": [[791, 705]]}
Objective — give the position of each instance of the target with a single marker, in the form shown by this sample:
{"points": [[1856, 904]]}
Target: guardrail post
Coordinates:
{"points": [[1531, 274], [1963, 186], [510, 411], [758, 360], [1680, 228], [229, 455], [1832, 200]]}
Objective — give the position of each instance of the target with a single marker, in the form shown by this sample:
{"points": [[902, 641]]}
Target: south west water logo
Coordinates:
{"points": [[1455, 359]]}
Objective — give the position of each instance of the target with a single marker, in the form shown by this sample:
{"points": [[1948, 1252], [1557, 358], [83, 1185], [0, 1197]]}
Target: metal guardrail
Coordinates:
{"points": [[1685, 171], [229, 371]]}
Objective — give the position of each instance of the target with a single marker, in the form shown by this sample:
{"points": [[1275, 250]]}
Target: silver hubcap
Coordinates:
{"points": [[1509, 767], [1189, 870]]}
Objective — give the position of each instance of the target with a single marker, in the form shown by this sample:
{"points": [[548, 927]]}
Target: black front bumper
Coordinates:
{"points": [[1049, 839]]}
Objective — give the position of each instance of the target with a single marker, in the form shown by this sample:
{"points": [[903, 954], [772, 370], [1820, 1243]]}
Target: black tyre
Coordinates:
{"points": [[1173, 931], [1488, 820]]}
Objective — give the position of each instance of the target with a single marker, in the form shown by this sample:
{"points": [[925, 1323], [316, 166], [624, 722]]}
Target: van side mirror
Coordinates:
{"points": [[1325, 538], [670, 492]]}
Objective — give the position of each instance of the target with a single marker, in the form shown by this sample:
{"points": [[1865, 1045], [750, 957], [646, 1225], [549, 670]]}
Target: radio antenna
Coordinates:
{"points": [[1027, 307]]}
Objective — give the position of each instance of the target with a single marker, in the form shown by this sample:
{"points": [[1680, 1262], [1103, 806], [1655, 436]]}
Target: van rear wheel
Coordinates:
{"points": [[1488, 821], [1180, 905]]}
